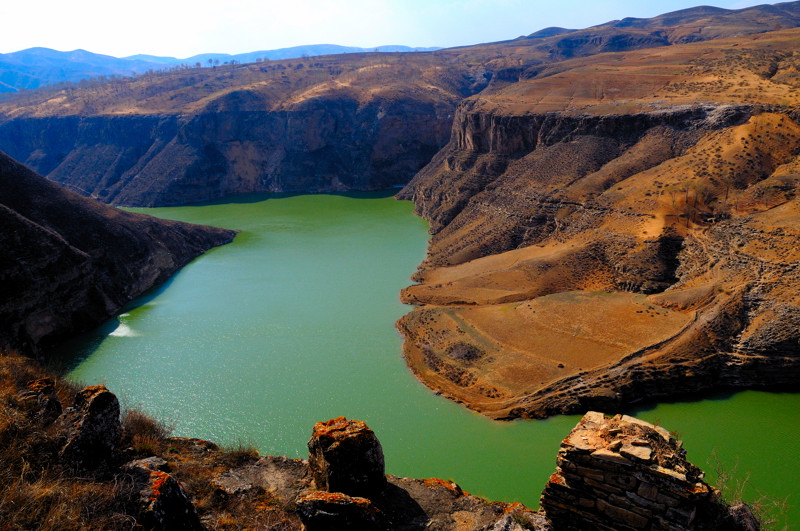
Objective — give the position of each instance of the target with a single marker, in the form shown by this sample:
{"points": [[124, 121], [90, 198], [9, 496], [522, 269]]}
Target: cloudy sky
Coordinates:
{"points": [[181, 28]]}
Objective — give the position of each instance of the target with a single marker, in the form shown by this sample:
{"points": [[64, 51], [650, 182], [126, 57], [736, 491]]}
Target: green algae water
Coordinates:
{"points": [[293, 323]]}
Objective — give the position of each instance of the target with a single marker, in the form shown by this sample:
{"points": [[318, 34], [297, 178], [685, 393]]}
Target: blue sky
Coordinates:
{"points": [[182, 28]]}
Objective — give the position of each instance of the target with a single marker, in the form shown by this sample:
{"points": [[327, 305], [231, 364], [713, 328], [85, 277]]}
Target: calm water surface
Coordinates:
{"points": [[294, 323]]}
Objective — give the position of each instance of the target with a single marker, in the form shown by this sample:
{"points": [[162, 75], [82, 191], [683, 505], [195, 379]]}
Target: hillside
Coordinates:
{"points": [[333, 123], [69, 263], [38, 67], [615, 228]]}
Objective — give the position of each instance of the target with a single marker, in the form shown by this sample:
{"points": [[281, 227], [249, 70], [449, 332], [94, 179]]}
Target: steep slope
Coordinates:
{"points": [[613, 229], [69, 262], [333, 123]]}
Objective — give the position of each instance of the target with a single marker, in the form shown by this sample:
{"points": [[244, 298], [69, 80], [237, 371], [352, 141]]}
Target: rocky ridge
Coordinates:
{"points": [[613, 473], [69, 262]]}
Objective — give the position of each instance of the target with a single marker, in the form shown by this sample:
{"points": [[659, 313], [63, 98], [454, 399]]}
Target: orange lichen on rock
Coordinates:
{"points": [[340, 428], [334, 497], [449, 485]]}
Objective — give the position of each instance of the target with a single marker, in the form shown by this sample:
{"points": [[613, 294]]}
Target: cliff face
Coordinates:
{"points": [[324, 145], [360, 122], [598, 242], [69, 262]]}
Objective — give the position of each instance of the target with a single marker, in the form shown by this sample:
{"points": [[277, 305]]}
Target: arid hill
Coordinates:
{"points": [[69, 263], [615, 228], [332, 123]]}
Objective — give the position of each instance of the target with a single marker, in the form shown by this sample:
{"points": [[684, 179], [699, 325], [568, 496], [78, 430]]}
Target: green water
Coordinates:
{"points": [[294, 323]]}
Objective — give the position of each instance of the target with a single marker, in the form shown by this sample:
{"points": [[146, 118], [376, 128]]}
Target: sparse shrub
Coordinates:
{"points": [[240, 454], [143, 431]]}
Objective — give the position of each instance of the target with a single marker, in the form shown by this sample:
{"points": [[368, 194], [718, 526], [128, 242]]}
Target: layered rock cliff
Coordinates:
{"points": [[324, 145], [601, 236], [360, 122], [69, 263]]}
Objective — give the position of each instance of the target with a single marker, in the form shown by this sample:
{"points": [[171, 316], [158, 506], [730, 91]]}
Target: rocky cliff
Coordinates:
{"points": [[69, 263], [601, 236], [325, 145], [331, 123], [360, 122], [86, 468]]}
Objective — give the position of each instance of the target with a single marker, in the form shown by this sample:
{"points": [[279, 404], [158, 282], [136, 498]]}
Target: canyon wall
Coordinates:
{"points": [[322, 145], [69, 263], [597, 241]]}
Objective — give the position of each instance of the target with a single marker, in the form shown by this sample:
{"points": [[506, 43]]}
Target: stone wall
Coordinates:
{"points": [[622, 473]]}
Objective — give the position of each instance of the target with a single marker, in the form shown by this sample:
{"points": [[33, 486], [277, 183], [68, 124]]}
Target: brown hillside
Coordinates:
{"points": [[615, 228], [69, 263]]}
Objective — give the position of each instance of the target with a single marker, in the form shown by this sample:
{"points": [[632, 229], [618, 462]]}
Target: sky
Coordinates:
{"points": [[182, 28]]}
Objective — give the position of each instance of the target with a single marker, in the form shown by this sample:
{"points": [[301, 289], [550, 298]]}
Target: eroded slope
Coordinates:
{"points": [[663, 229]]}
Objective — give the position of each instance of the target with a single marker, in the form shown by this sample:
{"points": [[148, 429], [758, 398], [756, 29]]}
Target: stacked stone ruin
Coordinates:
{"points": [[622, 473]]}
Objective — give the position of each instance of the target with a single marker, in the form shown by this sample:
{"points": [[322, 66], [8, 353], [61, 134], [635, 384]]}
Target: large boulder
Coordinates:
{"points": [[163, 504], [346, 456], [91, 429], [623, 473]]}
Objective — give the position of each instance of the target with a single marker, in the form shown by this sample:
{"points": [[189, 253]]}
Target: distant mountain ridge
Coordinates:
{"points": [[36, 67], [308, 50]]}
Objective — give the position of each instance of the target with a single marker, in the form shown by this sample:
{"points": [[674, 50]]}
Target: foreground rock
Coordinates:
{"points": [[91, 429], [614, 474], [100, 473], [69, 263], [163, 504], [623, 474], [345, 456]]}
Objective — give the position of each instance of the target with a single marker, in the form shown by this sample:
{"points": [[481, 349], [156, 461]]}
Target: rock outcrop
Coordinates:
{"points": [[622, 474], [163, 504], [69, 262], [334, 511], [345, 456], [91, 429]]}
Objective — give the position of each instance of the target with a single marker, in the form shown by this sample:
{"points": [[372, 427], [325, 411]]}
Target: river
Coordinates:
{"points": [[293, 323]]}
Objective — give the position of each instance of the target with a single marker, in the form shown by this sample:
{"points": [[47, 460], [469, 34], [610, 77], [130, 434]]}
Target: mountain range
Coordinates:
{"points": [[36, 67]]}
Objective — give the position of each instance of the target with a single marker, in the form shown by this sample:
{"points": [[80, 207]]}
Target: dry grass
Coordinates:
{"points": [[37, 493]]}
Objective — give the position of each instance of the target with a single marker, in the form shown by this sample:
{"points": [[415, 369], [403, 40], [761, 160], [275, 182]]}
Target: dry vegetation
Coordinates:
{"points": [[37, 492]]}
